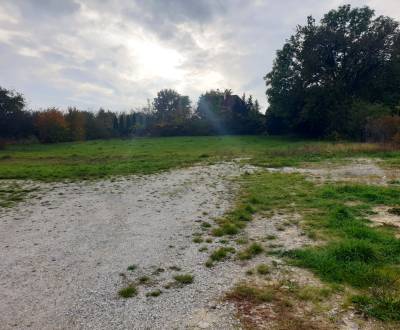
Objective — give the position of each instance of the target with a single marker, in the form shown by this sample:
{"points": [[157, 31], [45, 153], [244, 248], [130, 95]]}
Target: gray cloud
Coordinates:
{"points": [[116, 54]]}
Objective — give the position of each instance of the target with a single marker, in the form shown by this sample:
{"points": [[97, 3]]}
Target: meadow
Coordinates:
{"points": [[101, 158]]}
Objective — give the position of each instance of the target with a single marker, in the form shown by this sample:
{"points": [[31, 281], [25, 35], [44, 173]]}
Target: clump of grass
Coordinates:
{"points": [[198, 240], [271, 237], [221, 253], [205, 224], [251, 251], [203, 248], [175, 268], [128, 292], [250, 292], [184, 279], [131, 268], [263, 269], [312, 293], [154, 293], [242, 240], [144, 279]]}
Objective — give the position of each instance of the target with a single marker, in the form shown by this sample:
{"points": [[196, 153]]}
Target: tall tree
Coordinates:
{"points": [[323, 68], [171, 107], [15, 122]]}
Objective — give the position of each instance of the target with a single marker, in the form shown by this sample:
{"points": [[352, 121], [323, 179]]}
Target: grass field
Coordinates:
{"points": [[96, 159]]}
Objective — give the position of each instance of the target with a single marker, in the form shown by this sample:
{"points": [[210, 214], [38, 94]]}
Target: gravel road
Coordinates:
{"points": [[64, 254]]}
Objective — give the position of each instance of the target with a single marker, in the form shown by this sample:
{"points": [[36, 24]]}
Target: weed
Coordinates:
{"points": [[251, 251], [144, 279], [221, 253], [154, 293], [262, 269], [205, 224], [198, 240], [131, 268], [128, 292], [184, 278]]}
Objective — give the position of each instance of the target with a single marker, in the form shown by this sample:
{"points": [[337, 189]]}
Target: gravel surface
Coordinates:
{"points": [[65, 253]]}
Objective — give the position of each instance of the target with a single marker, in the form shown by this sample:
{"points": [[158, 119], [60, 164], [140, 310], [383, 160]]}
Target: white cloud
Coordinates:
{"points": [[117, 54]]}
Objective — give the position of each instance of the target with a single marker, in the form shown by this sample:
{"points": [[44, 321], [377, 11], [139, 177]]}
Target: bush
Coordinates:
{"points": [[385, 129]]}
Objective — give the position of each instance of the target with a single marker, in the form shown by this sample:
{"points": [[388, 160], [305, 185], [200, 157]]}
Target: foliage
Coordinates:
{"points": [[14, 121], [51, 126], [322, 69]]}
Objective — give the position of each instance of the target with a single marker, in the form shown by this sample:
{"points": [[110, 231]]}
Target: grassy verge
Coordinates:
{"points": [[355, 254], [13, 194], [95, 159]]}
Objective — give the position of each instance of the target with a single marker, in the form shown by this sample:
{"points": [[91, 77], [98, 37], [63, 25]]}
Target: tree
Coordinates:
{"points": [[76, 124], [226, 113], [51, 126], [323, 69], [171, 107], [15, 122]]}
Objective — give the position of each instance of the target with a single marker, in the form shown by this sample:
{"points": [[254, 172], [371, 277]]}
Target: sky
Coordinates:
{"points": [[117, 54]]}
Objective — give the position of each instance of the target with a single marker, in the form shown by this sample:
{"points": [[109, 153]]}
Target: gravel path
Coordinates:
{"points": [[64, 255]]}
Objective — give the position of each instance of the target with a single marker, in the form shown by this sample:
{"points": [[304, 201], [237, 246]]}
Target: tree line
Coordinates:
{"points": [[169, 114], [337, 79]]}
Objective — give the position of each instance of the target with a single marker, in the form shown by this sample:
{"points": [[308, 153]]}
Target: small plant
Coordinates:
{"points": [[144, 279], [203, 248], [209, 240], [271, 237], [131, 268], [221, 253], [251, 251], [154, 293], [218, 232], [198, 240], [209, 263], [205, 224], [250, 272], [175, 268], [127, 292], [262, 269], [242, 241], [184, 278]]}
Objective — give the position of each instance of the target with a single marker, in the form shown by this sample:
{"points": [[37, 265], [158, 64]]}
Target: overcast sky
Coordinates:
{"points": [[117, 54]]}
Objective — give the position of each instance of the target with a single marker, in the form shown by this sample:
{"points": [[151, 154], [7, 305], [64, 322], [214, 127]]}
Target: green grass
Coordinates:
{"points": [[184, 279], [128, 292], [251, 251], [131, 267], [355, 254], [263, 269], [102, 158], [154, 293]]}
